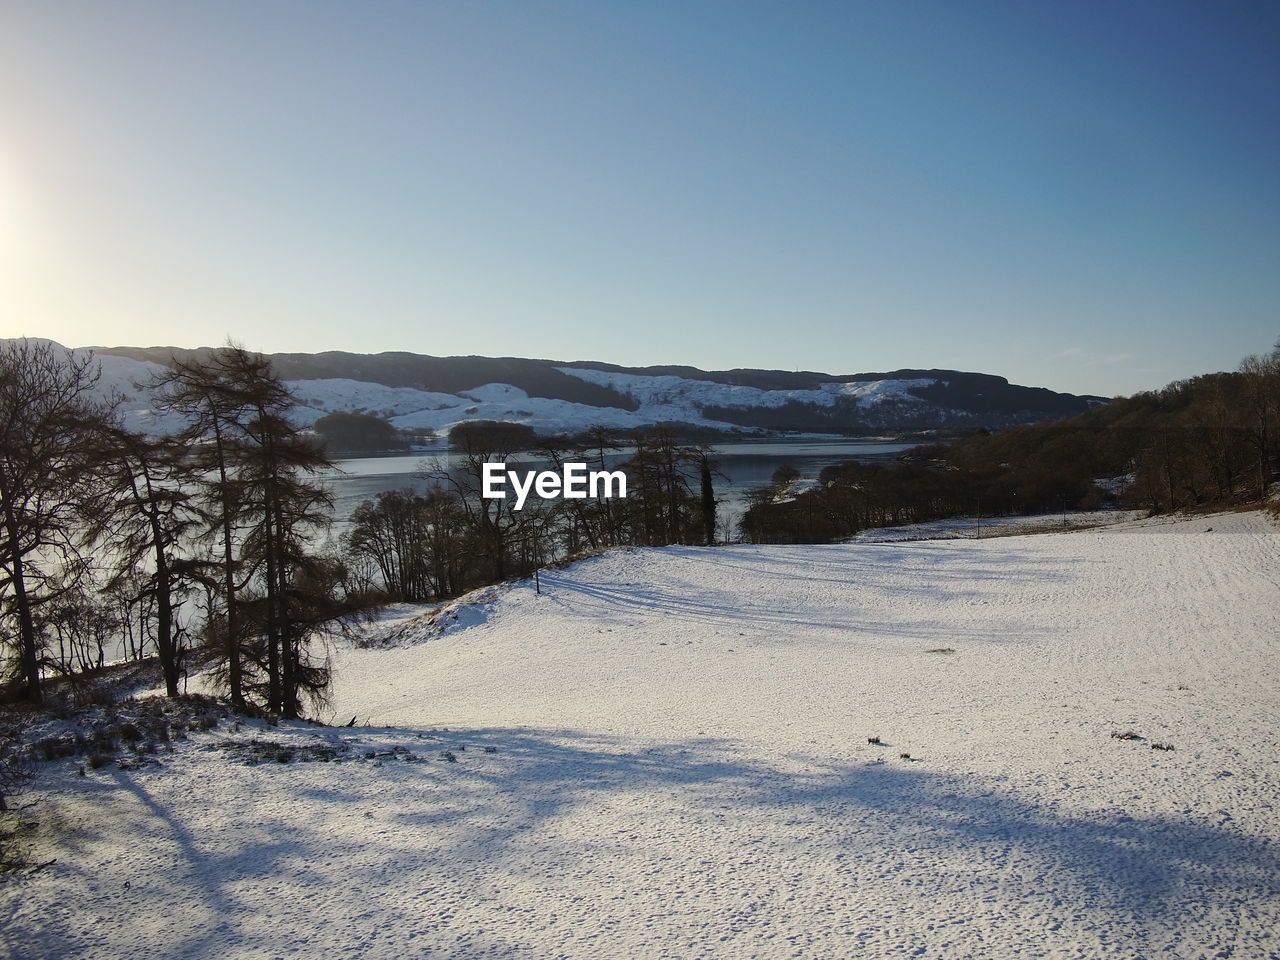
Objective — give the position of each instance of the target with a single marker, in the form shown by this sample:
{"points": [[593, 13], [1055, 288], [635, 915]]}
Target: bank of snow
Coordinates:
{"points": [[666, 756]]}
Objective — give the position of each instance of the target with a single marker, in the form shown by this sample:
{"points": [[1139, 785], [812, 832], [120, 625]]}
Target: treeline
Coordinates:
{"points": [[111, 538], [358, 434], [417, 546], [1208, 441]]}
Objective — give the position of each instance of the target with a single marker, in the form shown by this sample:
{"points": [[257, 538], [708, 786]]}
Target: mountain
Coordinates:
{"points": [[414, 391]]}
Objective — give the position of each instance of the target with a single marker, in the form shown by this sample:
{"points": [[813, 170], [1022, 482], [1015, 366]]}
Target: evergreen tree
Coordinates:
{"points": [[265, 503], [148, 514], [204, 393]]}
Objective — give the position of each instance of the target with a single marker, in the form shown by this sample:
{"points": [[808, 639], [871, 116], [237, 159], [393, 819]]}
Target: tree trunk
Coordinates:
{"points": [[708, 504], [29, 655], [235, 674]]}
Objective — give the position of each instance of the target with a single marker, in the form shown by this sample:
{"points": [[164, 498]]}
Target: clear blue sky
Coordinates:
{"points": [[1078, 195]]}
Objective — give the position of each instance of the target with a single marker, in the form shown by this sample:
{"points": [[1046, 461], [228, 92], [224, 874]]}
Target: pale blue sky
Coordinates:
{"points": [[1078, 195]]}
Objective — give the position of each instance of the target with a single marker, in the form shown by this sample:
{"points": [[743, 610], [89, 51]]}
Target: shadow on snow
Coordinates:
{"points": [[539, 805]]}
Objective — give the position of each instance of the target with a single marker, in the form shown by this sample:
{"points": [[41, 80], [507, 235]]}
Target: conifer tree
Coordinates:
{"points": [[148, 515]]}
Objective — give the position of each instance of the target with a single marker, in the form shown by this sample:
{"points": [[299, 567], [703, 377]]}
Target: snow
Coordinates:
{"points": [[356, 396], [407, 407], [1116, 485], [678, 398], [495, 393], [665, 755], [661, 399], [955, 528], [797, 487], [124, 380], [542, 414]]}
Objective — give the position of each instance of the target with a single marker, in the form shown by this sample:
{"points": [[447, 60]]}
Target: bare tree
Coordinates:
{"points": [[48, 417], [494, 523], [1262, 397], [393, 531], [666, 511]]}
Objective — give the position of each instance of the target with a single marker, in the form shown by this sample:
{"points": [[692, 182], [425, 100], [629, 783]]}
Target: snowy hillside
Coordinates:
{"points": [[414, 391], [679, 398], [126, 380], [406, 407], [660, 399], [667, 754]]}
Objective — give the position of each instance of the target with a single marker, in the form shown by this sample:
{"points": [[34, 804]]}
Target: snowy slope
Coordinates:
{"points": [[660, 398], [679, 767], [678, 398], [126, 380]]}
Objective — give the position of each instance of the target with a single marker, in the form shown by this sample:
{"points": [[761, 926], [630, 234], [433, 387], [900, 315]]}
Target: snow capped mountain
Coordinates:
{"points": [[414, 391]]}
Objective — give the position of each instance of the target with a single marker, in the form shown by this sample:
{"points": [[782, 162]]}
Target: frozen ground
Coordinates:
{"points": [[666, 756]]}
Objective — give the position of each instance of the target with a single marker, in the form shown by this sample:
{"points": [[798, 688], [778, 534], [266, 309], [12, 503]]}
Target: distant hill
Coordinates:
{"points": [[412, 390]]}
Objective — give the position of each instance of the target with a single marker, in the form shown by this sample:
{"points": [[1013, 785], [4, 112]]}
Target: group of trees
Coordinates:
{"points": [[449, 539], [1210, 440], [359, 433], [113, 541], [110, 536]]}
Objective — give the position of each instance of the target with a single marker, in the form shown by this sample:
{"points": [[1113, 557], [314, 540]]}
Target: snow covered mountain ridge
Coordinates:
{"points": [[416, 391]]}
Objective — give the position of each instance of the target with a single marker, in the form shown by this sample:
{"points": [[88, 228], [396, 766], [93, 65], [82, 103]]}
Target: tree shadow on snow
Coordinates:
{"points": [[1139, 867], [411, 836]]}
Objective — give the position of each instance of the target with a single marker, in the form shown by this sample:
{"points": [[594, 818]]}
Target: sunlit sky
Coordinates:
{"points": [[1084, 196]]}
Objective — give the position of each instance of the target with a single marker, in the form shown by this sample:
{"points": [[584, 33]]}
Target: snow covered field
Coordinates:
{"points": [[960, 528], [665, 755]]}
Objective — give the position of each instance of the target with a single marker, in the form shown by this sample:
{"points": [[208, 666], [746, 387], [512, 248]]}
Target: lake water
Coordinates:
{"points": [[744, 464]]}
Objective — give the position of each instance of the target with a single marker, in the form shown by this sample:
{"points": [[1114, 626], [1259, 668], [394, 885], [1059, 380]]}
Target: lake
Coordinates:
{"points": [[744, 464]]}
